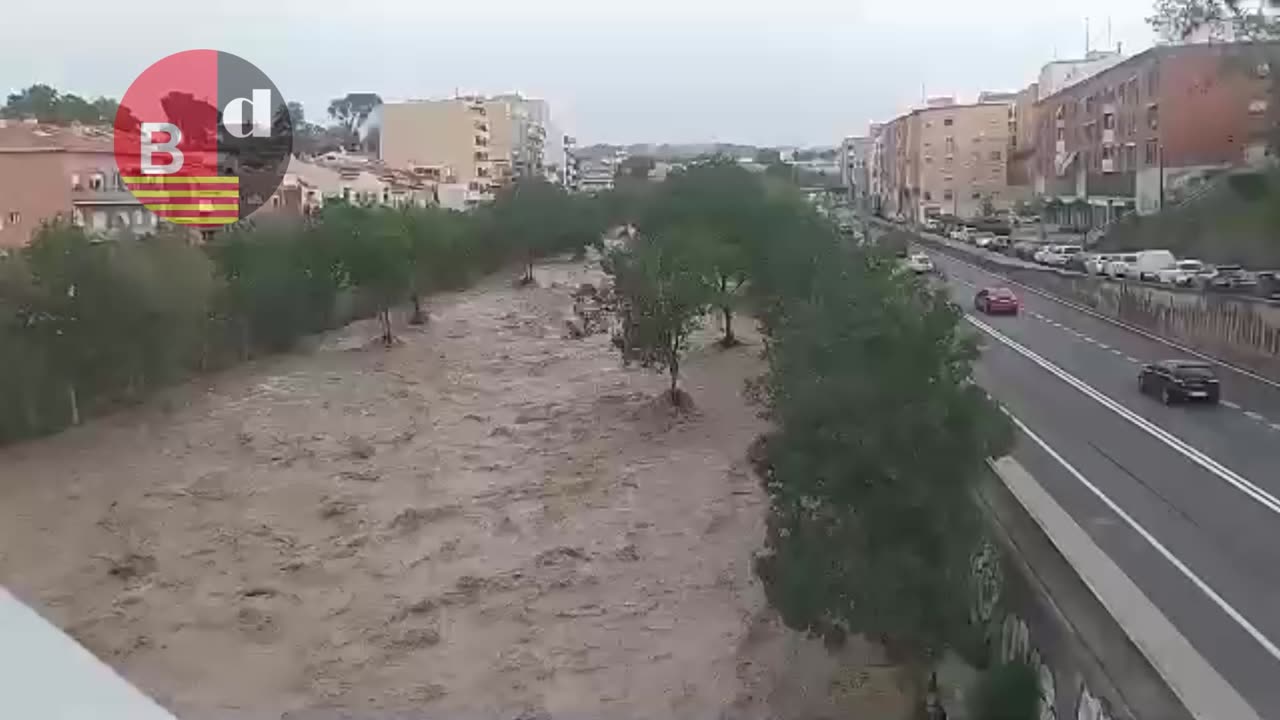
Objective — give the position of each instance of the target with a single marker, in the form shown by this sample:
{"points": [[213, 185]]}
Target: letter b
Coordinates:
{"points": [[150, 147]]}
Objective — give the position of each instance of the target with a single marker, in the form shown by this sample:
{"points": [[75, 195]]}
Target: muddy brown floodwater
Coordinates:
{"points": [[487, 521]]}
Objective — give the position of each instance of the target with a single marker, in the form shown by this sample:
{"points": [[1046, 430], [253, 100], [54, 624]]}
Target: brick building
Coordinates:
{"points": [[1150, 129]]}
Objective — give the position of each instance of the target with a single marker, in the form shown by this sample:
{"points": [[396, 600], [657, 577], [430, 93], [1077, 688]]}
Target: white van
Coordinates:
{"points": [[1151, 262]]}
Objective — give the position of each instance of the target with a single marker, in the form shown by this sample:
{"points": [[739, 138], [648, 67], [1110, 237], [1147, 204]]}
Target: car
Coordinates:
{"points": [[1183, 273], [960, 234], [983, 239], [1151, 262], [1058, 255], [1097, 264], [999, 243], [919, 263], [1179, 381], [996, 301], [1229, 277], [1122, 266]]}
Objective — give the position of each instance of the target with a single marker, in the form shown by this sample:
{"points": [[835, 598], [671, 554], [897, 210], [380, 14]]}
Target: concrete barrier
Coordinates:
{"points": [[1103, 650]]}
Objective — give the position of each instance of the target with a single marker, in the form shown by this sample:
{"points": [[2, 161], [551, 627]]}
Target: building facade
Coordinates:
{"points": [[1150, 129], [944, 159], [451, 137], [50, 172]]}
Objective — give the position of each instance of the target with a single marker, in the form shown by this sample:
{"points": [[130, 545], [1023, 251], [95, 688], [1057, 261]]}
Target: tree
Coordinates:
{"points": [[38, 101], [297, 116], [637, 166], [768, 156], [725, 202], [377, 257], [538, 218], [880, 436], [433, 251], [664, 293], [351, 111]]}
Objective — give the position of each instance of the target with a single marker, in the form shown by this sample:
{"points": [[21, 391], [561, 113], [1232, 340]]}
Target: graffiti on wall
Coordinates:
{"points": [[1011, 637]]}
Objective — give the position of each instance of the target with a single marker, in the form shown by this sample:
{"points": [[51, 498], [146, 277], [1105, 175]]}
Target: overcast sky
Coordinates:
{"points": [[767, 72]]}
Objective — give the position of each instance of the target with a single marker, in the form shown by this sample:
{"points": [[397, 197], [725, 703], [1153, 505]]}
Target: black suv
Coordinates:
{"points": [[1179, 381]]}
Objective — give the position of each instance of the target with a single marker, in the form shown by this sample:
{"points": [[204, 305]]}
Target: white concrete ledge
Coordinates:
{"points": [[1200, 688], [45, 675]]}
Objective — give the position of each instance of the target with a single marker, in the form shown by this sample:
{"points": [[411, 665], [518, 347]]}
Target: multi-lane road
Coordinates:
{"points": [[1186, 500]]}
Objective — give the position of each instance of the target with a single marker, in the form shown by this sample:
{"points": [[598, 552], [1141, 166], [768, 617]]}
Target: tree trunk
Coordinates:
{"points": [[729, 337], [419, 317], [673, 367], [385, 316], [528, 272], [73, 403]]}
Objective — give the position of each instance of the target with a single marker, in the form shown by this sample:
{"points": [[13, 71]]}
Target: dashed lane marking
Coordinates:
{"points": [[1116, 351], [1254, 416], [1104, 346], [1274, 426], [1228, 403], [1132, 359]]}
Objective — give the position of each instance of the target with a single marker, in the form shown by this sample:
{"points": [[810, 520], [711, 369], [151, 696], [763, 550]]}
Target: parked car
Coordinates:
{"points": [[1097, 264], [1179, 381], [996, 301], [1076, 262], [1042, 251], [999, 243], [983, 238], [1024, 249], [919, 263], [1151, 262], [1268, 284], [1058, 255], [1122, 266], [1229, 277], [1183, 273], [960, 234]]}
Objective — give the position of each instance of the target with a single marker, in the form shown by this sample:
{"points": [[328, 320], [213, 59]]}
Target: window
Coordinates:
{"points": [[995, 155], [928, 159], [1257, 107], [976, 195], [928, 196], [946, 195], [1153, 82], [75, 181], [1062, 135], [948, 122], [1152, 155], [97, 181], [1263, 70], [1153, 116], [1108, 121], [951, 145], [15, 217]]}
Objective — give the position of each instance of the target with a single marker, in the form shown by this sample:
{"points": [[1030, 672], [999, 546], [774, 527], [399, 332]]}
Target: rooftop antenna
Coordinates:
{"points": [[1086, 37]]}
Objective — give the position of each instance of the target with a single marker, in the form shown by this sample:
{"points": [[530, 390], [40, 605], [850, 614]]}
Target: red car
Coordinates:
{"points": [[996, 301]]}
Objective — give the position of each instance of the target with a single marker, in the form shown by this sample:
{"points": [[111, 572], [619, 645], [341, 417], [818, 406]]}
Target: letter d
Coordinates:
{"points": [[150, 147], [259, 115]]}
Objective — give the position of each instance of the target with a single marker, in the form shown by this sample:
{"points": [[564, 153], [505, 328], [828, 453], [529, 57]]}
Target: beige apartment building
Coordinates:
{"points": [[946, 159], [441, 138]]}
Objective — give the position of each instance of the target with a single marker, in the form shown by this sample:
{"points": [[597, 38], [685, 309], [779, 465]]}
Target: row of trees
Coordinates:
{"points": [[47, 105], [86, 324], [878, 433]]}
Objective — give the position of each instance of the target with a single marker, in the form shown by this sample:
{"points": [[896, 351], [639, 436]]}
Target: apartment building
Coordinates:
{"points": [[519, 135], [450, 137], [855, 159], [944, 159], [1150, 129], [48, 172]]}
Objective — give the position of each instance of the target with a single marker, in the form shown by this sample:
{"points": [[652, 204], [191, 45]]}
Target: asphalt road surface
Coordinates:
{"points": [[1185, 499]]}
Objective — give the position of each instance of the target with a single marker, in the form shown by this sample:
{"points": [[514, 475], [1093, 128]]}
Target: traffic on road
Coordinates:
{"points": [[1168, 459]]}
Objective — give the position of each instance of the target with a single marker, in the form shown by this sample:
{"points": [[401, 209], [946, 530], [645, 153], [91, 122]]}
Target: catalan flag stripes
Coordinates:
{"points": [[189, 200]]}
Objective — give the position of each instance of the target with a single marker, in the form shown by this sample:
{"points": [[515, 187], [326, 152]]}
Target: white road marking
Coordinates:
{"points": [[1174, 560], [1104, 346], [1274, 426], [1262, 497], [1116, 351], [1254, 416], [1228, 403], [1088, 339], [1132, 359], [1121, 324]]}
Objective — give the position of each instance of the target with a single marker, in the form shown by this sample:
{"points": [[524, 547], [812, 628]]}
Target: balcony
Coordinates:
{"points": [[481, 141], [1109, 135], [86, 196]]}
